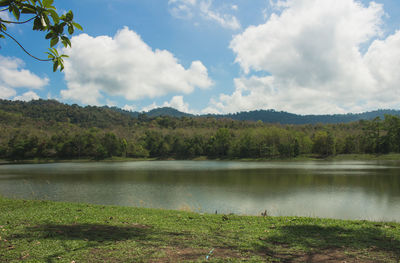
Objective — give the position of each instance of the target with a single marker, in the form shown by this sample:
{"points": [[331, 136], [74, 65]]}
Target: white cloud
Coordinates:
{"points": [[225, 20], [27, 96], [129, 107], [6, 93], [150, 107], [126, 66], [111, 103], [6, 16], [311, 51], [13, 76], [383, 61], [188, 9], [176, 102], [181, 8]]}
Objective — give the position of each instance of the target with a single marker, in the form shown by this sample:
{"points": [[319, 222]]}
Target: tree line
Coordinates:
{"points": [[186, 138]]}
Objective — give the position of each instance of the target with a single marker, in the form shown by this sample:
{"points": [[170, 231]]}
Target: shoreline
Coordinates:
{"points": [[339, 157]]}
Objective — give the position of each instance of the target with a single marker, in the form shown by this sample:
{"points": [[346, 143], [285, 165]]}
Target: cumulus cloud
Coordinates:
{"points": [[12, 75], [124, 65], [6, 93], [310, 54], [129, 107], [176, 102], [188, 9], [27, 96]]}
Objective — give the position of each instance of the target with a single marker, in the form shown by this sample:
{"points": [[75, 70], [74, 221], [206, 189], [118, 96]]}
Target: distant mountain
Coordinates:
{"points": [[167, 111], [52, 110], [272, 116]]}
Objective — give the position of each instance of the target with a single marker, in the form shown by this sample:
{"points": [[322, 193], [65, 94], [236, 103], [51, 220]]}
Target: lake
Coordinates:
{"points": [[335, 189]]}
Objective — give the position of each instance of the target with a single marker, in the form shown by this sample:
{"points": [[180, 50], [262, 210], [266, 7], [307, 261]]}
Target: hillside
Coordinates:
{"points": [[272, 116], [89, 116]]}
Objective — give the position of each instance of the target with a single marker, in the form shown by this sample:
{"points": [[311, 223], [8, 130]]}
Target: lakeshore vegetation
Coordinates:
{"points": [[52, 130], [45, 231]]}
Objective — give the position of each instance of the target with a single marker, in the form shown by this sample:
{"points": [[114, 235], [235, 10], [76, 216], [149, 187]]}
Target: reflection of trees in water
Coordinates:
{"points": [[256, 181]]}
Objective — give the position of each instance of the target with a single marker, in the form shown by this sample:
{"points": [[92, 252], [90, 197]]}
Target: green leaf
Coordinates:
{"points": [[54, 52], [4, 3], [61, 62], [50, 56], [70, 29], [54, 41], [69, 16], [16, 13], [49, 35], [48, 3], [1, 36], [55, 66], [37, 24], [54, 16], [78, 26], [65, 40], [27, 10]]}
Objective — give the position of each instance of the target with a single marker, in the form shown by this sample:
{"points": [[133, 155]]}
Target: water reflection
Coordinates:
{"points": [[353, 190]]}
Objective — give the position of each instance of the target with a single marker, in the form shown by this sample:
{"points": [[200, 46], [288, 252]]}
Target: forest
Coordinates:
{"points": [[47, 129]]}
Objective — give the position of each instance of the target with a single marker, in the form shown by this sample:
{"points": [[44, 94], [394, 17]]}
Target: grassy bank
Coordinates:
{"points": [[42, 231]]}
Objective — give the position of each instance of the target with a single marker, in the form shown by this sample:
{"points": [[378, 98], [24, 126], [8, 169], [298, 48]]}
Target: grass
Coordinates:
{"points": [[45, 231]]}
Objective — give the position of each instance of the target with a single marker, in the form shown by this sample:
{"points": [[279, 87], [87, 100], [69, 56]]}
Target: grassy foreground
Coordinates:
{"points": [[43, 231]]}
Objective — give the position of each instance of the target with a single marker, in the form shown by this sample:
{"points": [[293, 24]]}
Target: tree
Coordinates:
{"points": [[324, 143], [46, 19]]}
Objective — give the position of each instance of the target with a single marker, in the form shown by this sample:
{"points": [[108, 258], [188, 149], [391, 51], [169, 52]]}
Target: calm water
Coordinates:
{"points": [[346, 189]]}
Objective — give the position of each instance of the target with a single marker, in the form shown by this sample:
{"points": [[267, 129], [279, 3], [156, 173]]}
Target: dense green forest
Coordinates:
{"points": [[49, 129]]}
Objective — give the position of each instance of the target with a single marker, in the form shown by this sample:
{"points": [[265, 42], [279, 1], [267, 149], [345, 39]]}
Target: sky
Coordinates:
{"points": [[215, 56]]}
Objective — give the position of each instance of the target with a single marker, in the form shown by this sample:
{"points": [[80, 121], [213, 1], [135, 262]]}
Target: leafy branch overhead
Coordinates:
{"points": [[45, 18]]}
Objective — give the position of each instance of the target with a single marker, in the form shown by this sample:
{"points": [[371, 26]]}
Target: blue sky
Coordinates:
{"points": [[301, 56]]}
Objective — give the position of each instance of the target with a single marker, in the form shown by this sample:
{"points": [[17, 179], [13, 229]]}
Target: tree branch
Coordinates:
{"points": [[16, 41], [14, 22]]}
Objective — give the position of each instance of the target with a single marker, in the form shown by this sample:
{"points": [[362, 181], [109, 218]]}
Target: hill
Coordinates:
{"points": [[50, 129], [52, 110], [272, 116]]}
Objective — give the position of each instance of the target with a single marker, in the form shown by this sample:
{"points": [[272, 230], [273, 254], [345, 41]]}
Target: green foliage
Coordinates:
{"points": [[49, 129], [45, 18], [324, 143]]}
